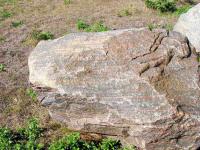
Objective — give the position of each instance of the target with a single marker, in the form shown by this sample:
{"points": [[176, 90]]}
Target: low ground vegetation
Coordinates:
{"points": [[31, 93], [28, 138], [168, 27], [127, 11], [96, 27], [167, 6], [4, 14], [36, 35], [161, 5], [2, 67], [42, 35], [67, 2], [16, 24], [182, 9], [2, 39], [198, 58]]}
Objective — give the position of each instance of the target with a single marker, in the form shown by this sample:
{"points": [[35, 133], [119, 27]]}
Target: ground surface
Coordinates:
{"points": [[60, 19]]}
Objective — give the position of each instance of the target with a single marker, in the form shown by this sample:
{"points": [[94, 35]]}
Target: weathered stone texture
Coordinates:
{"points": [[189, 25], [137, 85]]}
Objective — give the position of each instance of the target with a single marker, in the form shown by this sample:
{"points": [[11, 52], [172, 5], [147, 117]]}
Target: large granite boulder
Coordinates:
{"points": [[136, 85], [189, 25]]}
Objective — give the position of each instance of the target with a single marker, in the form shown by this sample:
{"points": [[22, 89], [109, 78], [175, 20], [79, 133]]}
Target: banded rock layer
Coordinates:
{"points": [[136, 85]]}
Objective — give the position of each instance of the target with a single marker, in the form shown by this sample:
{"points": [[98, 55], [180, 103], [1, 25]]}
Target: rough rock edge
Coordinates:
{"points": [[179, 115]]}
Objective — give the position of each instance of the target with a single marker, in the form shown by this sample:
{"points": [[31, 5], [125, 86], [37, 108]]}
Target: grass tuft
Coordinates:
{"points": [[31, 93], [96, 27], [198, 58], [35, 36], [124, 12], [151, 26], [2, 39], [161, 5], [42, 35], [168, 27], [182, 10], [67, 2], [5, 14], [82, 25], [2, 67], [16, 24]]}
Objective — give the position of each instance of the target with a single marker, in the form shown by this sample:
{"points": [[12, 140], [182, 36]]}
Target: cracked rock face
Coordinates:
{"points": [[136, 85], [189, 25]]}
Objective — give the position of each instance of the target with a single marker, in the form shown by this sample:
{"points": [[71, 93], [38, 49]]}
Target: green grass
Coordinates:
{"points": [[82, 25], [74, 142], [198, 58], [28, 138], [23, 139], [67, 2], [6, 2], [96, 27], [8, 8], [31, 93], [168, 27], [2, 39], [151, 26], [165, 6], [2, 67], [162, 5], [16, 24], [35, 36], [5, 138], [124, 12], [42, 35], [5, 14], [182, 9]]}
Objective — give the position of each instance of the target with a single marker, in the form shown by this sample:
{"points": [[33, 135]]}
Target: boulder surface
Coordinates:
{"points": [[189, 25], [136, 85]]}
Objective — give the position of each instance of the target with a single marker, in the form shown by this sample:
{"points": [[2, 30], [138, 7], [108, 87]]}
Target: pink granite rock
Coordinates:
{"points": [[136, 85]]}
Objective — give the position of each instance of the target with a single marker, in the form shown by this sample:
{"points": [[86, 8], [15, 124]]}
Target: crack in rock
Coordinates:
{"points": [[139, 86]]}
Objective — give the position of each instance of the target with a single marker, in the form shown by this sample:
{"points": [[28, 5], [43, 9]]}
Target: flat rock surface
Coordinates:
{"points": [[136, 85], [189, 25]]}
